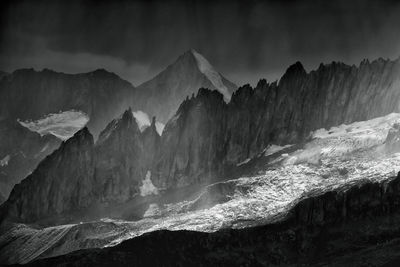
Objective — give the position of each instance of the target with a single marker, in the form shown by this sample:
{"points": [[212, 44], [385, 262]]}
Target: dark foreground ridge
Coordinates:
{"points": [[355, 227]]}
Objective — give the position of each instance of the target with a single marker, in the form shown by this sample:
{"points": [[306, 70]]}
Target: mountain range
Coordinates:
{"points": [[206, 139], [39, 98], [289, 163], [27, 94]]}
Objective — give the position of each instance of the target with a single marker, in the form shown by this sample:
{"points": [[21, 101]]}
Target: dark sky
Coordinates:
{"points": [[244, 40]]}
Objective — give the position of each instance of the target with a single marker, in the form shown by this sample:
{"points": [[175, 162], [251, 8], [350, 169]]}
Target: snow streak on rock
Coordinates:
{"points": [[215, 78], [148, 188]]}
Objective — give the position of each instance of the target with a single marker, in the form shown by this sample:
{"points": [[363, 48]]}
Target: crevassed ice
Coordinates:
{"points": [[215, 78]]}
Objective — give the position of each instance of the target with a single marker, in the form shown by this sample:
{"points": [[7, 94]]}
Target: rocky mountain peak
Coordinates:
{"points": [[294, 70], [166, 91], [126, 126], [127, 116]]}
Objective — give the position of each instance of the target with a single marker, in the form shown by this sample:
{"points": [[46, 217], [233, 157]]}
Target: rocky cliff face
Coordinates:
{"points": [[81, 174], [20, 152], [124, 156], [61, 182], [192, 143]]}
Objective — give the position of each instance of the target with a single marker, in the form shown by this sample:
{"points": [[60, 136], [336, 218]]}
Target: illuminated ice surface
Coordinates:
{"points": [[334, 159], [62, 125]]}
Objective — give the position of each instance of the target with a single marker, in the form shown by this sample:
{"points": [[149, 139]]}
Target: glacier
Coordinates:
{"points": [[332, 159]]}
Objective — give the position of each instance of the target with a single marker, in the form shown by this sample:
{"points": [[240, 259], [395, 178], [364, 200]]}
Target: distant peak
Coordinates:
{"points": [[212, 75]]}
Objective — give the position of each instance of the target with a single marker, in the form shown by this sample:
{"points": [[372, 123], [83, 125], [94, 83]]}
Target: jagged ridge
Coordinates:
{"points": [[207, 137]]}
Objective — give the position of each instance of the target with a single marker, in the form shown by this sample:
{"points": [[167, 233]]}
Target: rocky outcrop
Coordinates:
{"points": [[62, 182], [192, 143], [353, 227], [124, 156]]}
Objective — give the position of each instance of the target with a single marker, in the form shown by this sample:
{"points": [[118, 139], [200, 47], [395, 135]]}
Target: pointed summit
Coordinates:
{"points": [[215, 78], [294, 72], [162, 95], [127, 115]]}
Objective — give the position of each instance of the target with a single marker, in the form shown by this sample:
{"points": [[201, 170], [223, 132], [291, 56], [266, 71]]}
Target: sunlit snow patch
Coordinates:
{"points": [[62, 125], [143, 121], [215, 78], [148, 188], [159, 127], [243, 162], [272, 149], [4, 161]]}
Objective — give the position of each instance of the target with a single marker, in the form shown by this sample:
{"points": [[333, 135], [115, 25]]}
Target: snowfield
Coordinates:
{"points": [[63, 125], [334, 159]]}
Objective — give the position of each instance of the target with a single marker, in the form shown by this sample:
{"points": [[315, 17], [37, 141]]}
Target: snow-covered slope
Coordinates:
{"points": [[215, 78], [62, 125], [334, 159]]}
